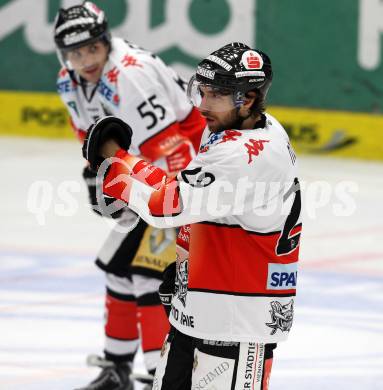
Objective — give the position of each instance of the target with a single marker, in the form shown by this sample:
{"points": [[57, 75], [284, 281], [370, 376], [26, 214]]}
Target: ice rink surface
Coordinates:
{"points": [[51, 294]]}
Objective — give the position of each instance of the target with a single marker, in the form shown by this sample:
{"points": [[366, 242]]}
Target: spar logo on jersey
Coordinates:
{"points": [[108, 92], [282, 276], [181, 284], [252, 60], [281, 316]]}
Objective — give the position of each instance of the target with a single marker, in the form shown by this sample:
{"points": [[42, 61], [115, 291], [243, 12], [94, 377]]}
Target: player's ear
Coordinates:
{"points": [[247, 105], [249, 99]]}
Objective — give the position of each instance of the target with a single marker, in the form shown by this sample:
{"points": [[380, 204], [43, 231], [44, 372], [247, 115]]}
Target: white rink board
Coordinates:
{"points": [[51, 294]]}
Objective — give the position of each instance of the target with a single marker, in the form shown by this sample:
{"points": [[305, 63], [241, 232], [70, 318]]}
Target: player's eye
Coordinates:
{"points": [[75, 54], [93, 49]]}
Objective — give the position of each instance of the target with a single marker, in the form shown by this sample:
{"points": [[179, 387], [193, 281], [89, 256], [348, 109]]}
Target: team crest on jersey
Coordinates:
{"points": [[213, 138], [281, 316], [181, 284]]}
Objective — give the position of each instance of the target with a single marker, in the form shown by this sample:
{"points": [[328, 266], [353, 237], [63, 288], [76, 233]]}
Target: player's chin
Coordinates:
{"points": [[92, 75], [211, 122]]}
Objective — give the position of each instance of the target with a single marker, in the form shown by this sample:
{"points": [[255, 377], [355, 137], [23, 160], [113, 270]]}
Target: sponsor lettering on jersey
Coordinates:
{"points": [[206, 381], [65, 86], [282, 276], [108, 93], [182, 318], [254, 147], [183, 237], [215, 343]]}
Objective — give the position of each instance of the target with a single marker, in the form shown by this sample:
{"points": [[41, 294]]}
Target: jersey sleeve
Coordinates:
{"points": [[65, 88], [203, 191]]}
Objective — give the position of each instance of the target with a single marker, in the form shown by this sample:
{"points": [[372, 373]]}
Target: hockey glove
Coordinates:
{"points": [[101, 204], [108, 127], [166, 289]]}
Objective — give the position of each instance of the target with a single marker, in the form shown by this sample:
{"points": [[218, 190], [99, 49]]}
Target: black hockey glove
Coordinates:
{"points": [[106, 207], [166, 289], [108, 127]]}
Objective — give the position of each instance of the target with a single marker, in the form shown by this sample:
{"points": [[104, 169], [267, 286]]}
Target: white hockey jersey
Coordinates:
{"points": [[137, 87], [237, 251]]}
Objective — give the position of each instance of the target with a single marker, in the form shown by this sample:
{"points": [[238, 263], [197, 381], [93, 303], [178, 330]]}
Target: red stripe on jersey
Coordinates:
{"points": [[192, 127], [230, 259], [154, 326], [121, 319]]}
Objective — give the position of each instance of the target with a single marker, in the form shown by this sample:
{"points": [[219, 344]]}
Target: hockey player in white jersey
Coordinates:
{"points": [[101, 76], [238, 203]]}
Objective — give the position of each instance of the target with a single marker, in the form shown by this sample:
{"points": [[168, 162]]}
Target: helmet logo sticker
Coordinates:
{"points": [[71, 39], [219, 61], [252, 60], [210, 74], [73, 23]]}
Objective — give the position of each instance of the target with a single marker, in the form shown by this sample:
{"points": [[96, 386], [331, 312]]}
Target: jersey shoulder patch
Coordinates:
{"points": [[223, 137]]}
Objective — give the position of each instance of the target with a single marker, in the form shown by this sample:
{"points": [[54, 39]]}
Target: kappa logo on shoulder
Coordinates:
{"points": [[254, 147]]}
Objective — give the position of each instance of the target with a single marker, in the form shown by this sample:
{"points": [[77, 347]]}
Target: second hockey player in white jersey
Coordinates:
{"points": [[238, 202], [104, 75]]}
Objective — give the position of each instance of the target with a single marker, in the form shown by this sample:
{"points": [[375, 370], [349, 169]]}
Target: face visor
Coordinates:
{"points": [[208, 97], [82, 55]]}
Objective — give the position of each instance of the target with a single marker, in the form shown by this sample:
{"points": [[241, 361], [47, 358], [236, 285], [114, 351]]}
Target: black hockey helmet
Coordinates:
{"points": [[80, 25], [233, 69]]}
